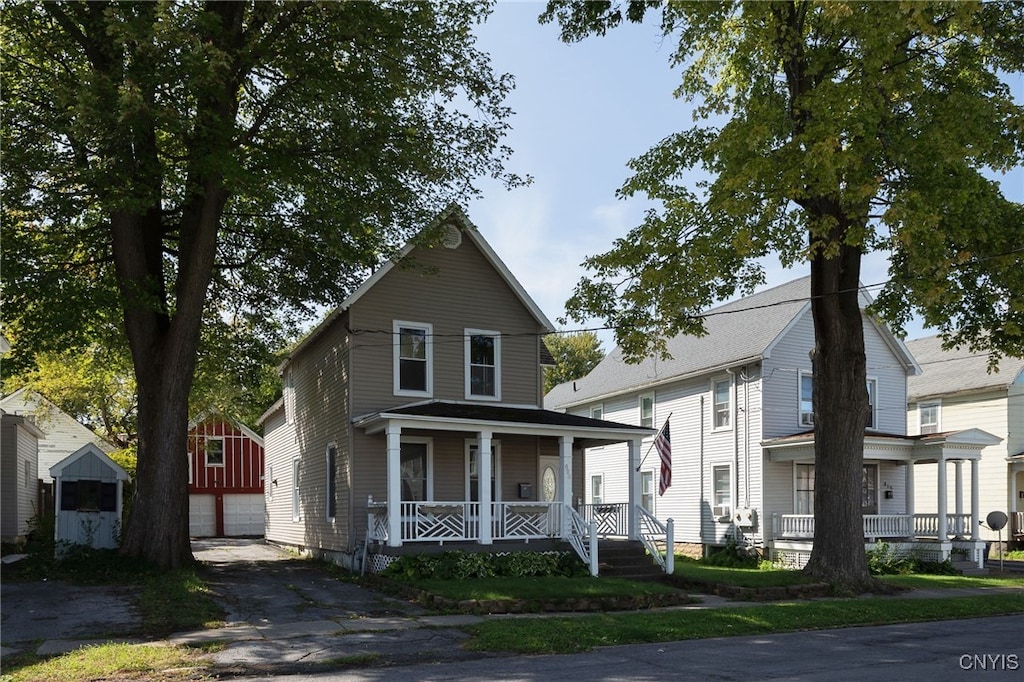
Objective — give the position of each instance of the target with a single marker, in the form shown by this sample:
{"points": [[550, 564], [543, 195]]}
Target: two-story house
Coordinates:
{"points": [[738, 402], [956, 391], [375, 447]]}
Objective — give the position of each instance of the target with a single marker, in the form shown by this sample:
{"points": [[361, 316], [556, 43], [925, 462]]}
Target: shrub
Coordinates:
{"points": [[463, 565], [885, 559], [731, 556]]}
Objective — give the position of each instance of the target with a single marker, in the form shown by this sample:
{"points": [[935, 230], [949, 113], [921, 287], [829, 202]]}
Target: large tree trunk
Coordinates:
{"points": [[840, 413]]}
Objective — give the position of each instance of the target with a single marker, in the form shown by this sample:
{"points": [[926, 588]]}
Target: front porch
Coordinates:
{"points": [[427, 506]]}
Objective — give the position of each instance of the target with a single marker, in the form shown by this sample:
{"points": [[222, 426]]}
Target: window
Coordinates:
{"points": [[723, 403], [804, 487], [414, 467], [872, 401], [296, 506], [722, 494], [331, 486], [928, 417], [597, 489], [413, 359], [483, 364], [88, 495], [597, 412], [28, 474], [473, 471], [647, 490], [806, 399], [269, 483], [647, 411], [214, 451], [289, 396], [869, 490]]}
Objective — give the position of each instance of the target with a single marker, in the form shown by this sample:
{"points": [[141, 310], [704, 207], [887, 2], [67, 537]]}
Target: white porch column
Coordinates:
{"points": [[394, 436], [565, 480], [908, 509], [483, 453], [943, 529], [975, 500], [634, 488], [958, 493]]}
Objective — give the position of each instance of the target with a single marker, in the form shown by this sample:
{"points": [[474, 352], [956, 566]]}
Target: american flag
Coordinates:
{"points": [[664, 444]]}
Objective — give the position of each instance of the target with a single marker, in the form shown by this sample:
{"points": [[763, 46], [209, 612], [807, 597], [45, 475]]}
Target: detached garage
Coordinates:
{"points": [[225, 479]]}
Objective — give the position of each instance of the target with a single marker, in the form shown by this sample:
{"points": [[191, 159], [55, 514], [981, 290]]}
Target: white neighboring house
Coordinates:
{"points": [[739, 404], [956, 391], [63, 434], [19, 478]]}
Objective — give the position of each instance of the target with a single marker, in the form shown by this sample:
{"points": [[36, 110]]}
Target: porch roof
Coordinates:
{"points": [[921, 449], [453, 416]]}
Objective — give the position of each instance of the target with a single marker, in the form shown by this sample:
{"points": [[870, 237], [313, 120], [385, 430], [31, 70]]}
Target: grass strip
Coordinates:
{"points": [[176, 601], [111, 662], [740, 577], [578, 634], [540, 588], [938, 582]]}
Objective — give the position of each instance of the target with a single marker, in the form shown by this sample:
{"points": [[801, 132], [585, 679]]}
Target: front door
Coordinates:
{"points": [[869, 490], [547, 478]]}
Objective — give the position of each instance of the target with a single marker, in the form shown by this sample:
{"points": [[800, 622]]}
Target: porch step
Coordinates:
{"points": [[626, 559], [969, 568]]}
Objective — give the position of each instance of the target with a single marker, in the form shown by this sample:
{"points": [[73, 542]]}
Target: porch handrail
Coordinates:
{"points": [[582, 537], [651, 530]]}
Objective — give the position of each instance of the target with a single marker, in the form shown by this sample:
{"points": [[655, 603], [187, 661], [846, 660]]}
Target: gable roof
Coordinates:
{"points": [[60, 429], [214, 414], [958, 370], [452, 214], [738, 332], [89, 449]]}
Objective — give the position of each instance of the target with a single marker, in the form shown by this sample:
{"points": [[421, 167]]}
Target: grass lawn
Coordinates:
{"points": [[936, 582], [109, 662], [573, 635], [539, 588], [741, 577]]}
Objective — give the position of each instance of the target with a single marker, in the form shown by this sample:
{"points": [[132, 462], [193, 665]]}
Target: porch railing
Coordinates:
{"points": [[611, 520], [652, 533], [440, 522], [801, 526], [582, 537]]}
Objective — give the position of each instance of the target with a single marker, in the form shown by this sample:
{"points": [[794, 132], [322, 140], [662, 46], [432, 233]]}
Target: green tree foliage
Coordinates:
{"points": [[824, 131], [168, 163], [575, 355]]}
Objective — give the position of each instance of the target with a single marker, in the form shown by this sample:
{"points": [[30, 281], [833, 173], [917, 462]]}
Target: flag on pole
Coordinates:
{"points": [[663, 442]]}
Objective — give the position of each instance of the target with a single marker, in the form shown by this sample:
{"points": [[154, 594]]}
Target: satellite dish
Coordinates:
{"points": [[996, 520]]}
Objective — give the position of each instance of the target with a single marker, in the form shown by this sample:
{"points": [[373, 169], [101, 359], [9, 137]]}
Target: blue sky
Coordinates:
{"points": [[582, 112]]}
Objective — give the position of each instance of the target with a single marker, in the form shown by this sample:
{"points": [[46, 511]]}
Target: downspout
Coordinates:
{"points": [[735, 452], [746, 436], [700, 509]]}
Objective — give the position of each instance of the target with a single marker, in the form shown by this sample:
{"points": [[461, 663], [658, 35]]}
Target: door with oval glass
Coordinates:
{"points": [[547, 477]]}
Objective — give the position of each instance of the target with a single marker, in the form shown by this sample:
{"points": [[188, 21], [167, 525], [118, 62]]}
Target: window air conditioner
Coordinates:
{"points": [[720, 512]]}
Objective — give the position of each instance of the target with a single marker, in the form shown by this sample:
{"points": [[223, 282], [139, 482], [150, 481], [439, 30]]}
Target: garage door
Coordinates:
{"points": [[243, 515], [202, 516]]}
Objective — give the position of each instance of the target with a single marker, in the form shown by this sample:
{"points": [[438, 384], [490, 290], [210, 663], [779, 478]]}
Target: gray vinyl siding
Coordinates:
{"points": [[19, 448], [453, 290]]}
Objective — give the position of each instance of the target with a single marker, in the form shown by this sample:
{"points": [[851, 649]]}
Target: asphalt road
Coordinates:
{"points": [[975, 649]]}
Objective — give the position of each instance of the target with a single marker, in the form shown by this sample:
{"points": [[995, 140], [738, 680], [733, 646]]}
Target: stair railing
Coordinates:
{"points": [[651, 531], [582, 537]]}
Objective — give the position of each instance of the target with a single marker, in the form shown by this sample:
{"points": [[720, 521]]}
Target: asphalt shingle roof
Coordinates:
{"points": [[736, 331], [951, 371]]}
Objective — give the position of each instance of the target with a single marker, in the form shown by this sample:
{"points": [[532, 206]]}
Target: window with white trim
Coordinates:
{"points": [[415, 468], [928, 415], [483, 364], [721, 480], [722, 398], [413, 358], [330, 488], [269, 483], [647, 490], [804, 488], [647, 410], [806, 399], [288, 392], [872, 402], [296, 501], [473, 471], [597, 489], [214, 449], [597, 412]]}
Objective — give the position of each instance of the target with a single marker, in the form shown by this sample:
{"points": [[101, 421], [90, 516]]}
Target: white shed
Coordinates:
{"points": [[88, 498]]}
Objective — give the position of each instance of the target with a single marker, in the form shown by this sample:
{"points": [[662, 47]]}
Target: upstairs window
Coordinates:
{"points": [[872, 402], [723, 403], [413, 359], [214, 452], [647, 411], [289, 396], [483, 364], [597, 412], [928, 417], [806, 399]]}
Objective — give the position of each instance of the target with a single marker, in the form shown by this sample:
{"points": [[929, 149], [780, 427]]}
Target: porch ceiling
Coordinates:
{"points": [[450, 416], [923, 449]]}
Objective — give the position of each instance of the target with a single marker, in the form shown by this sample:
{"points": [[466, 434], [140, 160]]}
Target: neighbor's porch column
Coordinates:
{"points": [[958, 492], [634, 488], [565, 480], [943, 528], [483, 454], [394, 436], [975, 500], [908, 493]]}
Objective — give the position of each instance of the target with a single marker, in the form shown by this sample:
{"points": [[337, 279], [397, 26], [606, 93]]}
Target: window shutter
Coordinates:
{"points": [[69, 496]]}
